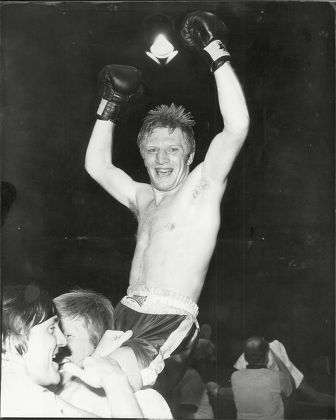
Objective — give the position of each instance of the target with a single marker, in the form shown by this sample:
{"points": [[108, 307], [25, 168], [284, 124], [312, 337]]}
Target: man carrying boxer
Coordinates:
{"points": [[31, 341], [179, 211]]}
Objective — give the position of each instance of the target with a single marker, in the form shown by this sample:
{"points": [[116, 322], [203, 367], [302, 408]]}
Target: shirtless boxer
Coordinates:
{"points": [[178, 213]]}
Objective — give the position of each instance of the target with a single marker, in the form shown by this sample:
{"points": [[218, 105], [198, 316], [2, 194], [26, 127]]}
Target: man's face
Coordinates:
{"points": [[42, 346], [79, 341], [166, 158]]}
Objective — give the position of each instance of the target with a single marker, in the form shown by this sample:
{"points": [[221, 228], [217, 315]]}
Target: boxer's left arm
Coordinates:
{"points": [[206, 32], [226, 145]]}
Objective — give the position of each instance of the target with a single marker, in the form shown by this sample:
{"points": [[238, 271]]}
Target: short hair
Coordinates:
{"points": [[171, 117], [23, 307], [93, 308], [255, 350]]}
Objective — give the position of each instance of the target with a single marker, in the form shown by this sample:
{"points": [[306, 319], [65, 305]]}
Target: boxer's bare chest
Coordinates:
{"points": [[159, 218], [176, 216]]}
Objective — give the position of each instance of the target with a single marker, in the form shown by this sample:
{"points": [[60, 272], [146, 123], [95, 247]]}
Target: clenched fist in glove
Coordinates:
{"points": [[206, 32], [118, 85]]}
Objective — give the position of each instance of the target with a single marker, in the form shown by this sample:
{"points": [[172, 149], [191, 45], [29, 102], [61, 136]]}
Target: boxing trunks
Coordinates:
{"points": [[163, 324]]}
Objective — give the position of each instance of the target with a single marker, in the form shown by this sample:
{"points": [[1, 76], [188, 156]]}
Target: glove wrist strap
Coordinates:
{"points": [[218, 54], [108, 111], [218, 63]]}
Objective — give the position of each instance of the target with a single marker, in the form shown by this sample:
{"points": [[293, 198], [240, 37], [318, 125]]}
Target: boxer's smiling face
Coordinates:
{"points": [[165, 155]]}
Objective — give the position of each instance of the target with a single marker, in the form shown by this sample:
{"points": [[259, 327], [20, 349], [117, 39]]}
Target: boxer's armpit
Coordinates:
{"points": [[203, 185]]}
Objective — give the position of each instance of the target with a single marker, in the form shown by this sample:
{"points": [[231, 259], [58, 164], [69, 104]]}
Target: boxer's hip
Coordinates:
{"points": [[163, 323], [153, 300]]}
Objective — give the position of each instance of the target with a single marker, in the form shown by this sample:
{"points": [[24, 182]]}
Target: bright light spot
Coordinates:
{"points": [[162, 51], [161, 47], [152, 57], [172, 55]]}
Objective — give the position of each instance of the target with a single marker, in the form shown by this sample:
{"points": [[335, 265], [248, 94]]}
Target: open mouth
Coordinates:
{"points": [[163, 172], [58, 360], [63, 362], [55, 361]]}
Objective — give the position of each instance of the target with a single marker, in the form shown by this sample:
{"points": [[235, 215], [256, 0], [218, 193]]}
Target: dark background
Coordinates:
{"points": [[273, 268]]}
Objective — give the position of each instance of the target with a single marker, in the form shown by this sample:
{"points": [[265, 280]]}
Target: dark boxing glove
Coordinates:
{"points": [[118, 85], [206, 32]]}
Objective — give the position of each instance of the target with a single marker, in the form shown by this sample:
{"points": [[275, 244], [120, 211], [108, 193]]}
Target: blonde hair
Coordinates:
{"points": [[94, 309], [172, 117]]}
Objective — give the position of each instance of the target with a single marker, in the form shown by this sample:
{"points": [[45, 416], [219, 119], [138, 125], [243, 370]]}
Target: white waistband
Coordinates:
{"points": [[161, 301]]}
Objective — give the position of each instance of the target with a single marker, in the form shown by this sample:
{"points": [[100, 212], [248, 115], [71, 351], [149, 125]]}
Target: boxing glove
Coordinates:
{"points": [[205, 32], [118, 85]]}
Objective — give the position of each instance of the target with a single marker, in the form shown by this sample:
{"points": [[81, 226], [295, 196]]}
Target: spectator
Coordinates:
{"points": [[304, 389], [190, 398], [258, 390], [205, 331], [204, 358]]}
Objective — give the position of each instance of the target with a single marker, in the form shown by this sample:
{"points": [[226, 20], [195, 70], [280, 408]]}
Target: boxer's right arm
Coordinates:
{"points": [[118, 86]]}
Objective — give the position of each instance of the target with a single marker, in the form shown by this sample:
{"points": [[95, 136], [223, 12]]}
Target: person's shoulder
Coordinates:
{"points": [[193, 374], [191, 371], [202, 185], [144, 196], [272, 372], [238, 373], [274, 376], [144, 190]]}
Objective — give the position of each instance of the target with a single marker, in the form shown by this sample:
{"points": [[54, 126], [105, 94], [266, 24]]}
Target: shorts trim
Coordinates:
{"points": [[158, 301]]}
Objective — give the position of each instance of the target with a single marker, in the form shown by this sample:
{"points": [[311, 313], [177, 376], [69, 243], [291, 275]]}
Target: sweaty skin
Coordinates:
{"points": [[178, 223]]}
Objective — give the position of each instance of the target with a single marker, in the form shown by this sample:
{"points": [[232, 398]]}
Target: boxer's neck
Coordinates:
{"points": [[161, 195]]}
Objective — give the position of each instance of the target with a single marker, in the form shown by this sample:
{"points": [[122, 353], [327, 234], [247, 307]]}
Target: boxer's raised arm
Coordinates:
{"points": [[226, 145], [118, 86], [205, 32], [98, 163]]}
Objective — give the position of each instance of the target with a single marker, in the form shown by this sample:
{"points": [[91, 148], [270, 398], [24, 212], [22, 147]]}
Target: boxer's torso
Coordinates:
{"points": [[177, 235]]}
